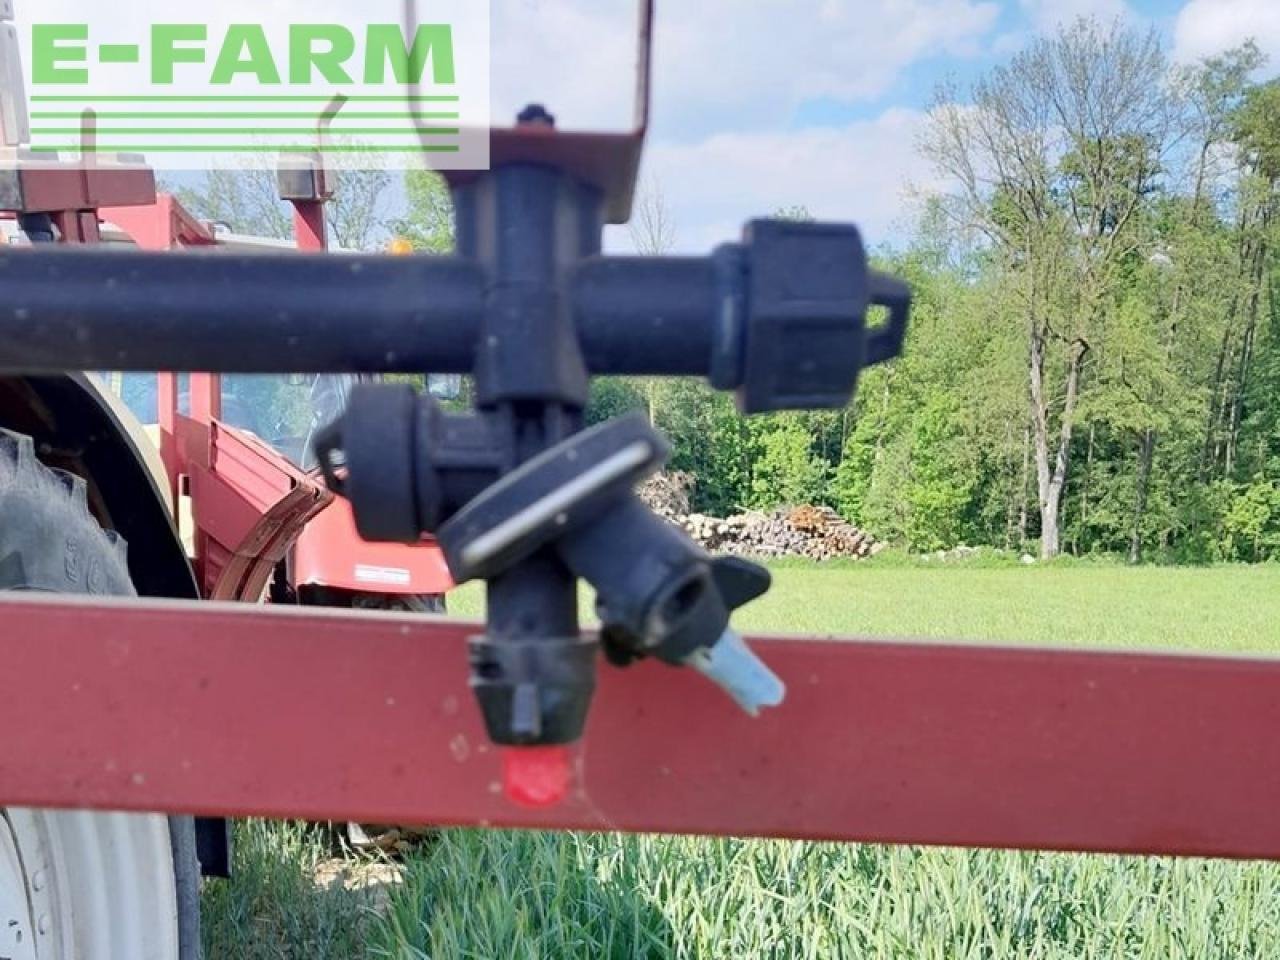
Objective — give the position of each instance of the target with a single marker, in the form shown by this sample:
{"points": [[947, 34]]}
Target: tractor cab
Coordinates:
{"points": [[286, 411], [282, 410]]}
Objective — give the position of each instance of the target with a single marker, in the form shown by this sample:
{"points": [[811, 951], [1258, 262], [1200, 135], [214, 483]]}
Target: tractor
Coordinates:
{"points": [[167, 484], [238, 451]]}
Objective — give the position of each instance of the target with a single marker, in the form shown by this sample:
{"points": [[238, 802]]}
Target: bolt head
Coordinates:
{"points": [[535, 115]]}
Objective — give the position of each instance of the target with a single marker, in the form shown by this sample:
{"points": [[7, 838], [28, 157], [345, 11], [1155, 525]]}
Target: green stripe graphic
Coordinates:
{"points": [[237, 131], [87, 98], [251, 148], [188, 115]]}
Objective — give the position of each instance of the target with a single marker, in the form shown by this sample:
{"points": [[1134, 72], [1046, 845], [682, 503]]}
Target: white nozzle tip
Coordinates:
{"points": [[734, 667]]}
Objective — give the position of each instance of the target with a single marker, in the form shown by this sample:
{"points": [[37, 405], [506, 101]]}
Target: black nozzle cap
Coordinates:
{"points": [[534, 692]]}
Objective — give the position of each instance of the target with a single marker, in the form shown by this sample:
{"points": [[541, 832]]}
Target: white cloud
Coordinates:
{"points": [[1206, 27], [576, 58], [729, 75], [1049, 14], [745, 64], [860, 172]]}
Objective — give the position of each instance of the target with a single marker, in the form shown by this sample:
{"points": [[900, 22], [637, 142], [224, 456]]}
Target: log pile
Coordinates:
{"points": [[668, 494], [818, 533]]}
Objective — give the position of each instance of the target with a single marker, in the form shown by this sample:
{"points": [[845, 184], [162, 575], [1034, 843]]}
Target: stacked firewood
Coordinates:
{"points": [[818, 533], [668, 494]]}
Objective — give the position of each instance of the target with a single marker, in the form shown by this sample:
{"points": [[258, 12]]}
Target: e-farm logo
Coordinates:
{"points": [[315, 49], [378, 93]]}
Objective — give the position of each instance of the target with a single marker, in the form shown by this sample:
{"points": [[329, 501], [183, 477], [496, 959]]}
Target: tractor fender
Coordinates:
{"points": [[331, 553], [79, 425]]}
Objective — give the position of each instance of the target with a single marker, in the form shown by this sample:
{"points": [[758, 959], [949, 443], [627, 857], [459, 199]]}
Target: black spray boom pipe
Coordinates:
{"points": [[68, 309], [651, 316], [89, 309], [718, 317]]}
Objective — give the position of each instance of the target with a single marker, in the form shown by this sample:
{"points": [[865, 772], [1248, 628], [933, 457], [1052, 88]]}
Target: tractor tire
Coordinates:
{"points": [[430, 603], [83, 885]]}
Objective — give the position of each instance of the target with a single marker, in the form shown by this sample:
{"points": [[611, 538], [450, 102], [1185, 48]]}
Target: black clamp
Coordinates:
{"points": [[517, 491]]}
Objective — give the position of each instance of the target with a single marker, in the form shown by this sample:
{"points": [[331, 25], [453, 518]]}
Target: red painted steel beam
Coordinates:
{"points": [[59, 188], [310, 230], [241, 710]]}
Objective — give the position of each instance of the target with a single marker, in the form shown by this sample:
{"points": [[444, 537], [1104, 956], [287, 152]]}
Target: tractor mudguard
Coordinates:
{"points": [[80, 426], [331, 553]]}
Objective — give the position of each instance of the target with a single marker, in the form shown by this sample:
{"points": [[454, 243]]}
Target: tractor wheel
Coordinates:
{"points": [[80, 885], [408, 603]]}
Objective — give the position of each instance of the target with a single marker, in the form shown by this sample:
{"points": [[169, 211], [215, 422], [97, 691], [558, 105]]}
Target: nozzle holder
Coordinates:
{"points": [[522, 494]]}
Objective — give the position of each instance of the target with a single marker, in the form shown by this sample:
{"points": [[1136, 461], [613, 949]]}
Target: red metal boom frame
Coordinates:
{"points": [[243, 710], [238, 710]]}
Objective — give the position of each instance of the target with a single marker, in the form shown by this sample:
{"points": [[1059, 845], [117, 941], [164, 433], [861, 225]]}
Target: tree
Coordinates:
{"points": [[248, 202], [1053, 157], [709, 439], [428, 222], [1256, 134], [935, 456], [359, 209], [1211, 92], [787, 470], [653, 232], [653, 228], [943, 476], [1165, 313]]}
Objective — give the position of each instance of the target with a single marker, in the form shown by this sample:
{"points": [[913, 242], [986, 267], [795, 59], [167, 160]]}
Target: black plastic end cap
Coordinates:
{"points": [[807, 299], [378, 433]]}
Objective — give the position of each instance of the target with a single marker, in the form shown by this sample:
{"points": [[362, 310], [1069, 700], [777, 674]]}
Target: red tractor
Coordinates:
{"points": [[242, 479], [174, 485], [239, 449]]}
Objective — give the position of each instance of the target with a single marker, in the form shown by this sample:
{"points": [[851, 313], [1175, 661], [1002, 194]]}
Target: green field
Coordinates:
{"points": [[470, 894]]}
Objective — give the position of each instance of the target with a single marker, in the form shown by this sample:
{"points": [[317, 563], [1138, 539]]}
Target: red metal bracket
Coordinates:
{"points": [[228, 709], [608, 161]]}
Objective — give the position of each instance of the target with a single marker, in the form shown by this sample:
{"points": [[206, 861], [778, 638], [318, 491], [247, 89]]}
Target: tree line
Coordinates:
{"points": [[1094, 361]]}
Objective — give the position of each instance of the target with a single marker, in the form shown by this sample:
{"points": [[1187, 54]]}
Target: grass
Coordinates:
{"points": [[483, 894], [274, 909], [1223, 609], [532, 896]]}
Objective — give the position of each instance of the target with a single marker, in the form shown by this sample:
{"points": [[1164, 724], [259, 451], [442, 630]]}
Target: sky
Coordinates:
{"points": [[765, 104]]}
